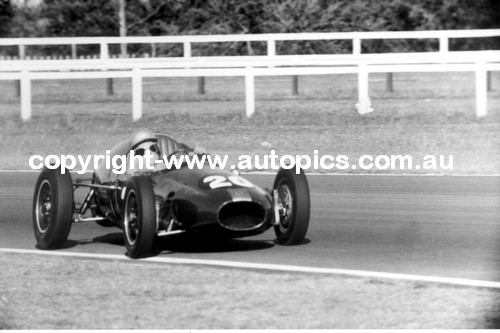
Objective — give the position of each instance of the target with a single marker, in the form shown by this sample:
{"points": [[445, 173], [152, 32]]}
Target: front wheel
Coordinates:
{"points": [[139, 217], [52, 208], [294, 206]]}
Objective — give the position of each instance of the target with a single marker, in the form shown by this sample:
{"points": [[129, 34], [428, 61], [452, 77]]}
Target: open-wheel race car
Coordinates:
{"points": [[206, 201]]}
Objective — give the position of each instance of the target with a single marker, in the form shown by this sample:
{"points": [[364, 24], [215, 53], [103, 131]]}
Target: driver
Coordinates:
{"points": [[143, 142], [147, 147]]}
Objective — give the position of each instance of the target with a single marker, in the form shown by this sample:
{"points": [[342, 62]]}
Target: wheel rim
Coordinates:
{"points": [[131, 218], [44, 206], [285, 201]]}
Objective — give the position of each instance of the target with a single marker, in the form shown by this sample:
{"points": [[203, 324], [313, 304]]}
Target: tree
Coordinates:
{"points": [[460, 14], [308, 16], [184, 17], [26, 22], [80, 18], [155, 17], [6, 15]]}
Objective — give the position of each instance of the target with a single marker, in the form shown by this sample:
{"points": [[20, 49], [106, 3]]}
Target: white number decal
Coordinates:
{"points": [[240, 181], [221, 181], [216, 181]]}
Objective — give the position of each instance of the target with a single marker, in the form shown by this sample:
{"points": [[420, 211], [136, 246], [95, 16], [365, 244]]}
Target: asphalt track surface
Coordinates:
{"points": [[447, 226]]}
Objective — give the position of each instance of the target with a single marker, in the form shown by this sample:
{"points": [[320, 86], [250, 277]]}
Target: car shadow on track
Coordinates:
{"points": [[197, 244], [187, 243], [67, 245], [183, 243], [115, 238], [200, 244]]}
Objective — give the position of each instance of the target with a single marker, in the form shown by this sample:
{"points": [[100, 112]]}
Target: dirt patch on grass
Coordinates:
{"points": [[70, 293]]}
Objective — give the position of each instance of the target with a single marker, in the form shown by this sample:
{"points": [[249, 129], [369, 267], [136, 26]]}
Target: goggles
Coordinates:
{"points": [[141, 151]]}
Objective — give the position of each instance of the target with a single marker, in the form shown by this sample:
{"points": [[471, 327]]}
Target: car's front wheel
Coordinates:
{"points": [[52, 208], [294, 206], [139, 217]]}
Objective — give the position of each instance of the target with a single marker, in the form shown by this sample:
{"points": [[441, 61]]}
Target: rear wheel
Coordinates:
{"points": [[139, 217], [294, 206], [53, 208]]}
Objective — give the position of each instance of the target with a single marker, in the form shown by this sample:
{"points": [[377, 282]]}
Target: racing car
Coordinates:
{"points": [[212, 202]]}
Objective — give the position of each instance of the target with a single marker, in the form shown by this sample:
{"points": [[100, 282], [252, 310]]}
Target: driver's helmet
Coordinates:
{"points": [[146, 140], [144, 144], [143, 136]]}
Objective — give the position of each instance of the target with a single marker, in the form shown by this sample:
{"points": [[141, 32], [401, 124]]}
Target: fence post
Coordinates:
{"points": [[136, 94], [22, 56], [389, 86], [481, 90], [356, 46], [25, 96], [73, 51], [22, 51], [153, 50], [109, 86], [187, 49], [105, 56], [271, 48], [187, 54], [295, 85], [364, 105], [443, 44], [104, 51], [201, 85], [17, 85], [249, 92]]}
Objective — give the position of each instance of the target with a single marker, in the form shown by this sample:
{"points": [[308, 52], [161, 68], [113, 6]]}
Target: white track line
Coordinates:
{"points": [[285, 268], [312, 173]]}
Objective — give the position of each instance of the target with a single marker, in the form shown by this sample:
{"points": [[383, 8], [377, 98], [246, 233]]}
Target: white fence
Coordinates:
{"points": [[271, 64]]}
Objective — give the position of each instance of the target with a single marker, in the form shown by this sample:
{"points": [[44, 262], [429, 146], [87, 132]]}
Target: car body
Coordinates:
{"points": [[212, 202]]}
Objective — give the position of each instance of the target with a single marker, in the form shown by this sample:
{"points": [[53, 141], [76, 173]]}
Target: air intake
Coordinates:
{"points": [[242, 216]]}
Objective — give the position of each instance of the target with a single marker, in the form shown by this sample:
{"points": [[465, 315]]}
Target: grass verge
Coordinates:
{"points": [[474, 144], [38, 292], [427, 114]]}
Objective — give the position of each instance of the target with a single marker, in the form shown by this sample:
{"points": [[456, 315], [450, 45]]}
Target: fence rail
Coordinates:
{"points": [[187, 40], [271, 64]]}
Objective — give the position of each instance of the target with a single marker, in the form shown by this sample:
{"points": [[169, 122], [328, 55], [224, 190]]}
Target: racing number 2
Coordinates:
{"points": [[218, 181]]}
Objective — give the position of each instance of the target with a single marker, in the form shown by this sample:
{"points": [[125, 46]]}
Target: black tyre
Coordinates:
{"points": [[53, 208], [294, 203], [139, 217]]}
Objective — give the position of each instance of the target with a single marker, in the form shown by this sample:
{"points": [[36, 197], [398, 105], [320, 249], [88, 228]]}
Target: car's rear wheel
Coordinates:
{"points": [[294, 206], [53, 208], [139, 217]]}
